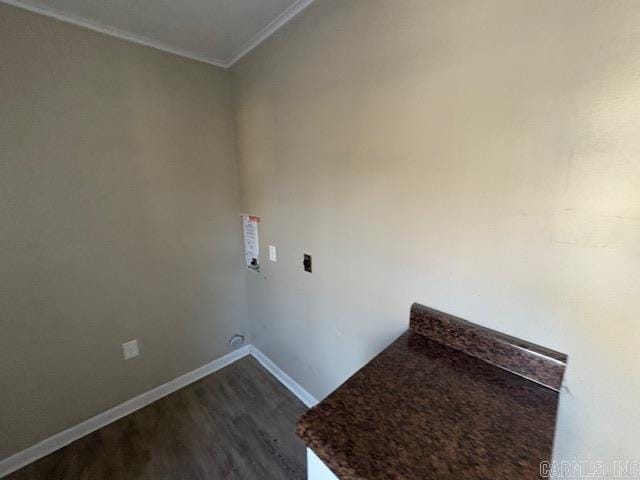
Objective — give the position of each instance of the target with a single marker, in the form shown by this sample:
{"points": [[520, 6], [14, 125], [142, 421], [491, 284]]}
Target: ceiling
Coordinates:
{"points": [[214, 31]]}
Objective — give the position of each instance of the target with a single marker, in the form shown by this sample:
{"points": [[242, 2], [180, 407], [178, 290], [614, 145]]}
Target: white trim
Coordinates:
{"points": [[293, 386], [111, 31], [291, 11], [64, 438], [59, 440], [317, 469]]}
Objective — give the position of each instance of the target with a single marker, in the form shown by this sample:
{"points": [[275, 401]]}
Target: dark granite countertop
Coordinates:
{"points": [[425, 410]]}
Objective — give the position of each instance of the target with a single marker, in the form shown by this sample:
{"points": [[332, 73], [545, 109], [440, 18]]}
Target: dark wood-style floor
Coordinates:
{"points": [[237, 423]]}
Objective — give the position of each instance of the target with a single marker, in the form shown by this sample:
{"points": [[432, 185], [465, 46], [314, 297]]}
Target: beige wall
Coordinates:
{"points": [[118, 220], [480, 157]]}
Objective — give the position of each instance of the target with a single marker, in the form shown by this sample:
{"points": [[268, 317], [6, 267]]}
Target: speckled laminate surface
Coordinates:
{"points": [[424, 410], [531, 361]]}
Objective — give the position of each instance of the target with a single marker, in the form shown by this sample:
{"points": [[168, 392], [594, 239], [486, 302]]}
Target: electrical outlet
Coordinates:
{"points": [[130, 349], [272, 253]]}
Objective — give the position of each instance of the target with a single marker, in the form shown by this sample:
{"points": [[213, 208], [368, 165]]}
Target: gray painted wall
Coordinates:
{"points": [[478, 157], [118, 220]]}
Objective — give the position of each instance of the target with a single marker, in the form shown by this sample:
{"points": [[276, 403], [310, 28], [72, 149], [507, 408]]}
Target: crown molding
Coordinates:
{"points": [[111, 31], [290, 12]]}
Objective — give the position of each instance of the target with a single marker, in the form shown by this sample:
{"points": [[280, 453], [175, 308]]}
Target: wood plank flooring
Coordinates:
{"points": [[237, 423]]}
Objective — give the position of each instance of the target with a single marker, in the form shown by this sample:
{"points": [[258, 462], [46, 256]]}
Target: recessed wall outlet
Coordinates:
{"points": [[130, 349], [306, 262], [272, 253]]}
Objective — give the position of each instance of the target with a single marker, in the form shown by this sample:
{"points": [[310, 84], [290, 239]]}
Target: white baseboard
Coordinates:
{"points": [[293, 386], [64, 438]]}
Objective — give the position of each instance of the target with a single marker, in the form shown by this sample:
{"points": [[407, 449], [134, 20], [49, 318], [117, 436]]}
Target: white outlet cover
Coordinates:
{"points": [[272, 253], [130, 349]]}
